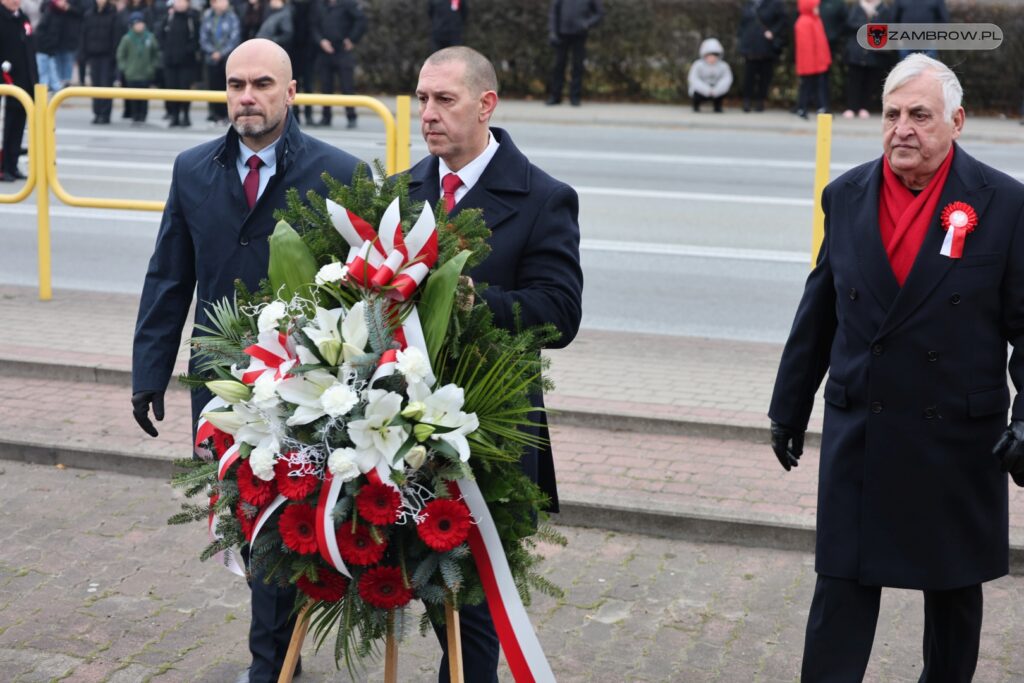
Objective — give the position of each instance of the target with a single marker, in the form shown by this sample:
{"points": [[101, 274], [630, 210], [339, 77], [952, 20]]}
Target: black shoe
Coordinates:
{"points": [[4, 178], [351, 124], [759, 106], [97, 120], [574, 103], [801, 113], [696, 108], [15, 175], [552, 101], [325, 123]]}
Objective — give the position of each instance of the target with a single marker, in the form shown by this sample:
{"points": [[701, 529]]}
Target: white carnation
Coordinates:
{"points": [[262, 460], [342, 464], [413, 364], [332, 272], [271, 315], [338, 399]]}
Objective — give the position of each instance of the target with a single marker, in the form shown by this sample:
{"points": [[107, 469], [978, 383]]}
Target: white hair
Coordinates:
{"points": [[916, 64]]}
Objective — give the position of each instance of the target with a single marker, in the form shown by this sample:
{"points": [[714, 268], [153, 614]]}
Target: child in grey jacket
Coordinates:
{"points": [[710, 77]]}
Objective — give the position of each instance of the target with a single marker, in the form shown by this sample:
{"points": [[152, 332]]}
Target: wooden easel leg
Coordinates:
{"points": [[295, 646], [391, 652], [451, 618]]}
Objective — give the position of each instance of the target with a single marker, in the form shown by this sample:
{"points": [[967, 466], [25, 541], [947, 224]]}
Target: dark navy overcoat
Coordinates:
{"points": [[208, 237], [535, 259], [909, 493]]}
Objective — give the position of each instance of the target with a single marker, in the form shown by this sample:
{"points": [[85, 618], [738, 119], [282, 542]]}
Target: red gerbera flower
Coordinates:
{"points": [[242, 513], [384, 587], [222, 441], [378, 503], [445, 524], [358, 547], [298, 528], [291, 482], [252, 489], [330, 587]]}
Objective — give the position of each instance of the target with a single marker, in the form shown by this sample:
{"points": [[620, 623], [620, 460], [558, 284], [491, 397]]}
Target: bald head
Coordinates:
{"points": [[262, 53], [479, 76], [260, 91]]}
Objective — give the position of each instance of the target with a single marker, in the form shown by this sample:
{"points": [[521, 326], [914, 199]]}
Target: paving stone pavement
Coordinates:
{"points": [[94, 586]]}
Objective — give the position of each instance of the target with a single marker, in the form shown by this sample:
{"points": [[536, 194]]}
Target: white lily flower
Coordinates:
{"points": [[227, 421], [306, 357], [342, 464], [229, 390], [354, 332], [260, 425], [414, 365], [305, 391], [332, 272], [271, 315], [325, 334], [443, 408], [376, 439]]}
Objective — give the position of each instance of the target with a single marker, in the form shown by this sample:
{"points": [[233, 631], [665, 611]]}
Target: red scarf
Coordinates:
{"points": [[904, 218]]}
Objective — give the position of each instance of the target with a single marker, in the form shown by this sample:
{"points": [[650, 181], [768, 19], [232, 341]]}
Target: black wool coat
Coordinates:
{"points": [[208, 237], [909, 493], [16, 47], [534, 261]]}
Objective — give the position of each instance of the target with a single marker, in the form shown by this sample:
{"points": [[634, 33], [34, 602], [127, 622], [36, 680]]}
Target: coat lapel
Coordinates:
{"points": [[965, 183], [862, 206]]}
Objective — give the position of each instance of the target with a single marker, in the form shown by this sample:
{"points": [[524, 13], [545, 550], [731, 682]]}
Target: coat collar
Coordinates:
{"points": [[506, 178], [291, 144], [966, 182]]}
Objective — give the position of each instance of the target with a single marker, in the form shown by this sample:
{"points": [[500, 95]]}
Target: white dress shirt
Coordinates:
{"points": [[471, 172], [267, 170]]}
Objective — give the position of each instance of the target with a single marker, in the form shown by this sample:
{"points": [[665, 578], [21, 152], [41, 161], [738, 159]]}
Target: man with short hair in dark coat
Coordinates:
{"points": [[210, 235], [569, 23], [338, 25], [15, 51], [760, 39], [533, 272], [101, 34], [447, 19]]}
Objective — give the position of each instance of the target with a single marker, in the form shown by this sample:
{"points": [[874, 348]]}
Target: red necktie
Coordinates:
{"points": [[252, 180], [450, 183]]}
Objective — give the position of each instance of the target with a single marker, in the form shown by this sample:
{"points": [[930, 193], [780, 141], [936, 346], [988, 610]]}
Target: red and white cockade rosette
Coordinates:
{"points": [[958, 220]]}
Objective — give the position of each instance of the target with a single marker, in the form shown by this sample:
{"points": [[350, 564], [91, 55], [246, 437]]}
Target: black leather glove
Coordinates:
{"points": [[1010, 451], [141, 400], [788, 445]]}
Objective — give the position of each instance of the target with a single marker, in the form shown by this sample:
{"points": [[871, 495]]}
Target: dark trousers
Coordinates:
{"points": [[841, 631], [813, 88], [179, 77], [576, 45], [14, 129], [757, 78], [303, 64], [217, 79], [479, 646], [863, 86], [270, 629], [342, 65], [137, 109], [101, 73], [716, 102]]}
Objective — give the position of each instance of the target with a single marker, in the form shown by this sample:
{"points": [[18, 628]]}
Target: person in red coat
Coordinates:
{"points": [[813, 58]]}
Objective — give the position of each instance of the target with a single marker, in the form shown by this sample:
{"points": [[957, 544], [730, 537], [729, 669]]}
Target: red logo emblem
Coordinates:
{"points": [[878, 35]]}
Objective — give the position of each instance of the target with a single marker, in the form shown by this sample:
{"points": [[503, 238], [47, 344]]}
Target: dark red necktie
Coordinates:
{"points": [[450, 183], [252, 180]]}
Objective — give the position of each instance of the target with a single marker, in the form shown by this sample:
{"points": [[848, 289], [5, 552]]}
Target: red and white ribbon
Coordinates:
{"points": [[271, 353], [958, 220], [205, 430], [326, 537], [518, 640]]}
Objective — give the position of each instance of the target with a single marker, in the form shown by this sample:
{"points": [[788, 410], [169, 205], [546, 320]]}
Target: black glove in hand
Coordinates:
{"points": [[788, 445], [1010, 451], [141, 400]]}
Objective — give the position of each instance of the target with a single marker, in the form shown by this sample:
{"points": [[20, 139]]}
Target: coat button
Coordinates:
{"points": [[955, 299], [876, 407], [853, 293], [876, 349], [244, 241], [933, 356], [930, 412]]}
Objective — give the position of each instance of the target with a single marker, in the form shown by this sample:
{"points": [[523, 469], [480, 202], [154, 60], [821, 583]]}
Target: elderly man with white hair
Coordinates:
{"points": [[917, 293]]}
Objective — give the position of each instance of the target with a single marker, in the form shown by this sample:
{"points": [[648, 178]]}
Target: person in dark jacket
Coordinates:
{"points": [[337, 27], [864, 67], [47, 40], [304, 52], [179, 49], [910, 311], [920, 12], [16, 50], [569, 22], [250, 13], [278, 24], [761, 39], [220, 32], [447, 20], [69, 15], [533, 271], [100, 38], [209, 236]]}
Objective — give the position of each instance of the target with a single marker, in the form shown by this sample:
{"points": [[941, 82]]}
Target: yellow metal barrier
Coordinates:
{"points": [[26, 101], [822, 166], [403, 145], [41, 134]]}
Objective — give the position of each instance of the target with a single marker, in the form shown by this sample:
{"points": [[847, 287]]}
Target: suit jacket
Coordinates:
{"points": [[208, 237], [909, 493], [534, 261], [16, 47]]}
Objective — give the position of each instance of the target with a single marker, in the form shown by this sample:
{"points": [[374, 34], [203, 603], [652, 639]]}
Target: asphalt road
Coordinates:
{"points": [[699, 232]]}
